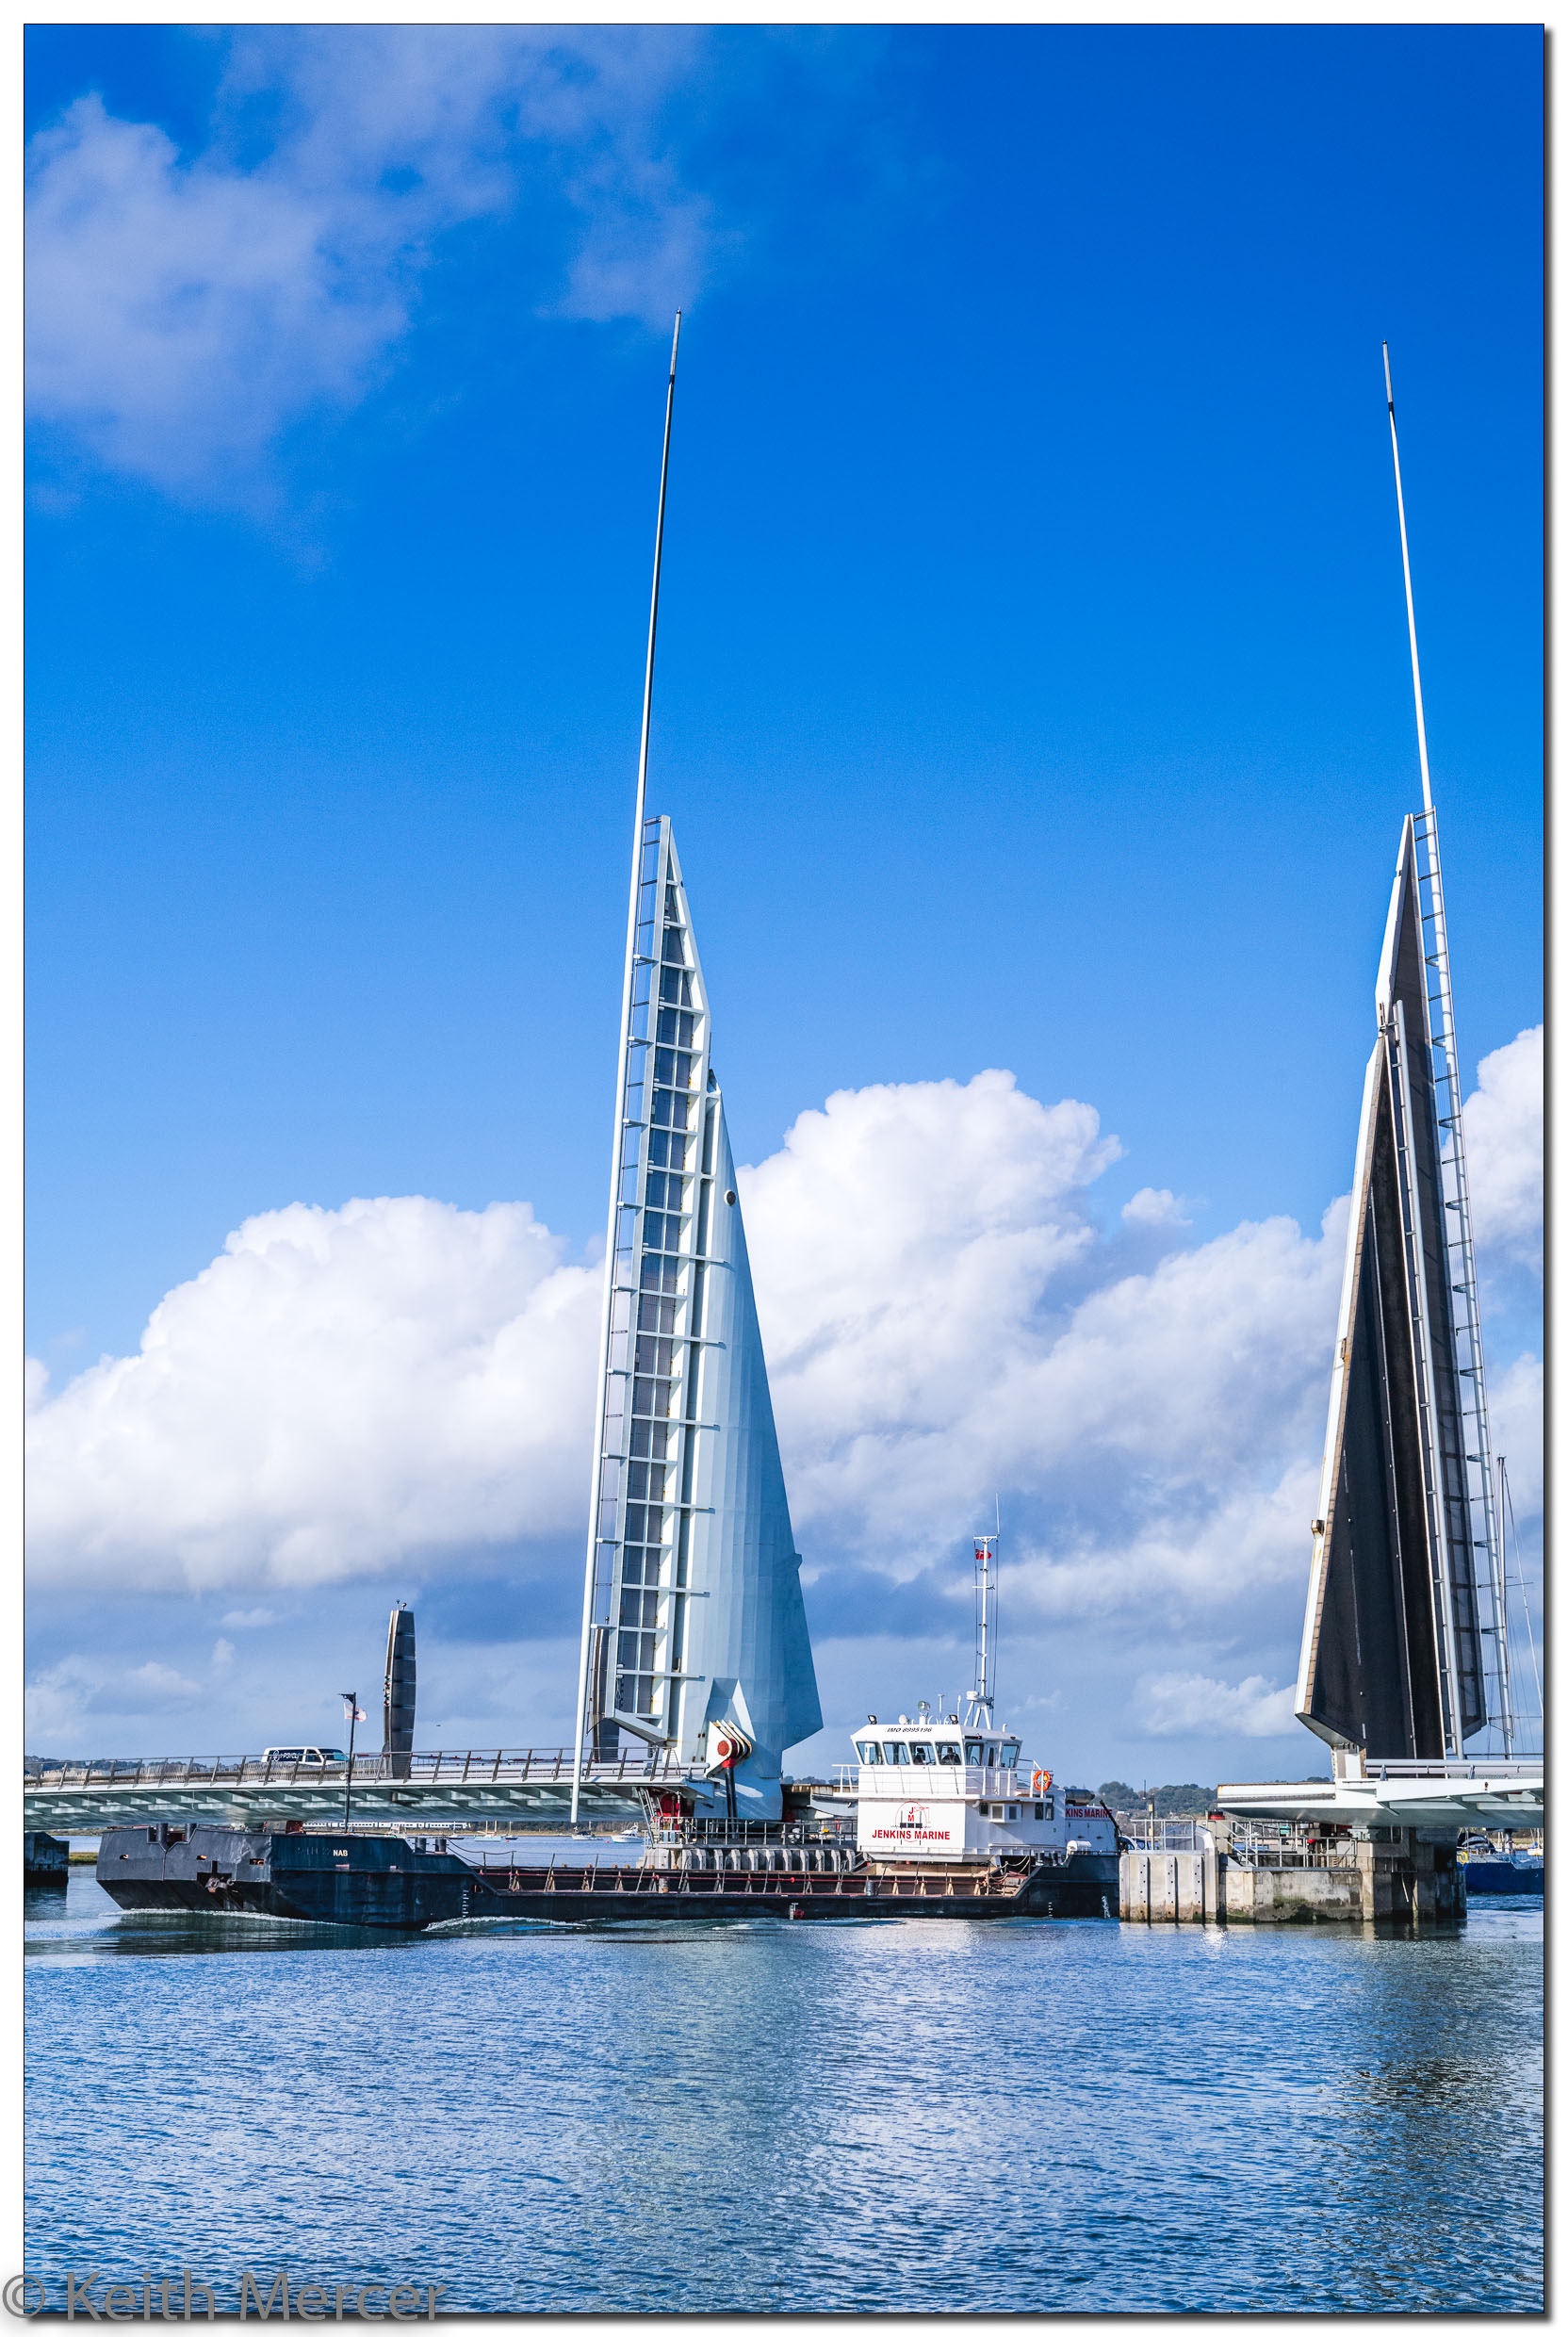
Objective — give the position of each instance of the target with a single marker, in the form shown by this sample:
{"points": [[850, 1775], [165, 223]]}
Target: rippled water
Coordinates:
{"points": [[876, 2116]]}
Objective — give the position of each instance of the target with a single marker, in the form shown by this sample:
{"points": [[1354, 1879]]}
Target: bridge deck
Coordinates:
{"points": [[438, 1792]]}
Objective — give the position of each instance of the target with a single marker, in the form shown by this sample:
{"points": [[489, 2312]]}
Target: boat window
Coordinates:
{"points": [[974, 1752], [898, 1751], [869, 1750], [951, 1752], [1051, 1809], [991, 1756], [1039, 1810], [1009, 1756], [921, 1754]]}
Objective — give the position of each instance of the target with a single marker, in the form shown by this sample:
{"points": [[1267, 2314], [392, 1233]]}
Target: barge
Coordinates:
{"points": [[395, 1884], [950, 1824]]}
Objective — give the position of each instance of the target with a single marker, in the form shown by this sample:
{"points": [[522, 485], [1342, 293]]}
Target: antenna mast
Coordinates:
{"points": [[588, 1663], [1458, 1243], [981, 1695]]}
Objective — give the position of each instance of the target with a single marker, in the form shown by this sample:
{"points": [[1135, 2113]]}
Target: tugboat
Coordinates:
{"points": [[948, 1798]]}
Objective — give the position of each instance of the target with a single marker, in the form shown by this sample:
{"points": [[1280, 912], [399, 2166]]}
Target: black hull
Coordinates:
{"points": [[374, 1901], [376, 1884], [46, 1862]]}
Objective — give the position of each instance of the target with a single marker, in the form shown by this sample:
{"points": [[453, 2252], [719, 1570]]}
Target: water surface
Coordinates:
{"points": [[873, 2117]]}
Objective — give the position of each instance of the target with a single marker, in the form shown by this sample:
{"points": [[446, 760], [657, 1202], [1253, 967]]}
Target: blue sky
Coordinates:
{"points": [[1034, 690]]}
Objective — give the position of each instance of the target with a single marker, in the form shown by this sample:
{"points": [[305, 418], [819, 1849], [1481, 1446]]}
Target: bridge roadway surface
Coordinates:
{"points": [[440, 1792], [1446, 1796]]}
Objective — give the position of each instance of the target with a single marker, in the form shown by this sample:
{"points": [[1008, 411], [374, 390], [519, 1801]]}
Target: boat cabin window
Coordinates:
{"points": [[974, 1752], [1009, 1756], [922, 1754], [898, 1751], [951, 1751], [869, 1749], [991, 1756]]}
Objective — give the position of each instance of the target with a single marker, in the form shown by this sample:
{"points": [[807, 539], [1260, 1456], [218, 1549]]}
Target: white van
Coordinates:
{"points": [[305, 1755]]}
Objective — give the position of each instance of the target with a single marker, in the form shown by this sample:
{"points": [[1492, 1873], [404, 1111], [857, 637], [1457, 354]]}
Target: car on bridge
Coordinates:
{"points": [[306, 1755]]}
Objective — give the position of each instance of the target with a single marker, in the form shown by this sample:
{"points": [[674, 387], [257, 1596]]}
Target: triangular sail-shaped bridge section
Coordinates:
{"points": [[695, 1622], [1392, 1656]]}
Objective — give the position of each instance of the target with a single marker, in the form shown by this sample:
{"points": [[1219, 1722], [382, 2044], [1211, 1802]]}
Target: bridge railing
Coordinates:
{"points": [[490, 1767], [1466, 1770]]}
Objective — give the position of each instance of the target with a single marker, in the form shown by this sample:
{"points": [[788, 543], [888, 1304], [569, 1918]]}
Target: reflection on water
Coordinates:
{"points": [[863, 2117]]}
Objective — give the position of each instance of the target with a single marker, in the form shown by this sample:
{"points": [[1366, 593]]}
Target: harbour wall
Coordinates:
{"points": [[1392, 1876]]}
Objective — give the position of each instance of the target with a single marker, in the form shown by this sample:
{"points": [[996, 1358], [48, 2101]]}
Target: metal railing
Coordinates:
{"points": [[504, 1767], [1243, 1844], [1481, 1767]]}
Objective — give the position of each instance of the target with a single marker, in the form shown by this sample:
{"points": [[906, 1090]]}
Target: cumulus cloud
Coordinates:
{"points": [[1156, 1207], [1503, 1149], [1517, 1404], [339, 1389], [944, 1320], [184, 308], [87, 1691], [1186, 1703], [345, 1394]]}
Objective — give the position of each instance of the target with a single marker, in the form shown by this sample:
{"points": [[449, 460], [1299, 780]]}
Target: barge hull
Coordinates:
{"points": [[386, 1885], [1082, 1887]]}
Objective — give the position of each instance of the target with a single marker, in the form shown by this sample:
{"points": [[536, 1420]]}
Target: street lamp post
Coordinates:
{"points": [[351, 1714]]}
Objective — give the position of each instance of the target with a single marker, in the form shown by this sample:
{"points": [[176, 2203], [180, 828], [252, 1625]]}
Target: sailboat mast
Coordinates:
{"points": [[586, 1662]]}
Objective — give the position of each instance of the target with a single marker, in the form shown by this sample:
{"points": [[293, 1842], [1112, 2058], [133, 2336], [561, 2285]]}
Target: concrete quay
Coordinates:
{"points": [[1389, 1875]]}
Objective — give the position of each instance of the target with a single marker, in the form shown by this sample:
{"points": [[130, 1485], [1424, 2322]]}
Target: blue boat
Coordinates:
{"points": [[1518, 1874]]}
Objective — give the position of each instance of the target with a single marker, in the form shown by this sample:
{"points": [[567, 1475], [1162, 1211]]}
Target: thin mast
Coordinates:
{"points": [[1458, 1243], [620, 1083], [1410, 598], [981, 1695]]}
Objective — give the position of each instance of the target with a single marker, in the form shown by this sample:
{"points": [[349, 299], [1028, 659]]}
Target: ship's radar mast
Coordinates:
{"points": [[980, 1714]]}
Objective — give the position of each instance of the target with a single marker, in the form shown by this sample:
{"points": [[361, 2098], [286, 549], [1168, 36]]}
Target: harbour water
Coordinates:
{"points": [[792, 2118]]}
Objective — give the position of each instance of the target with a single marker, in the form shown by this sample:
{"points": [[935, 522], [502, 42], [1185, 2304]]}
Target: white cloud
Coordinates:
{"points": [[339, 1389], [1504, 1146], [399, 1386], [927, 1273], [1186, 1703], [1517, 1406], [183, 309], [85, 1691], [1156, 1207]]}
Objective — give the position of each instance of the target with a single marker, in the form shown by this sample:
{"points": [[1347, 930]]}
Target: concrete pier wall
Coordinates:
{"points": [[1395, 1878]]}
